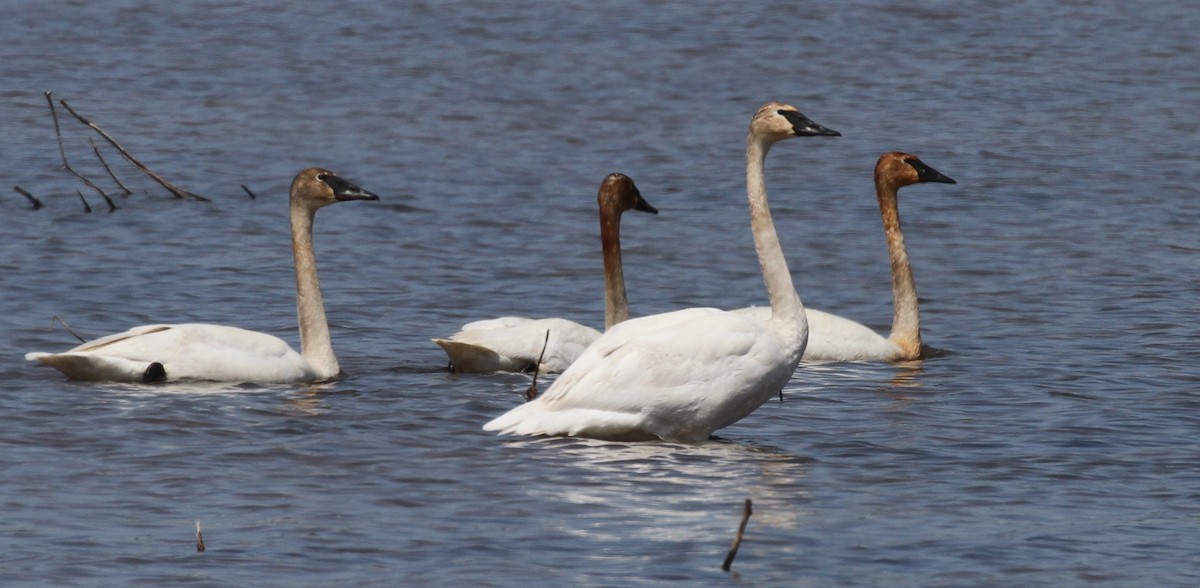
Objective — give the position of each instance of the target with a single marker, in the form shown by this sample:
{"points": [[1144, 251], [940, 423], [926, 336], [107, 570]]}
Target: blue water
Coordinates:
{"points": [[1054, 443]]}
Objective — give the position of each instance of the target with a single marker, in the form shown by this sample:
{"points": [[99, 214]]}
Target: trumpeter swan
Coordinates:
{"points": [[193, 351], [834, 338], [514, 344], [681, 375]]}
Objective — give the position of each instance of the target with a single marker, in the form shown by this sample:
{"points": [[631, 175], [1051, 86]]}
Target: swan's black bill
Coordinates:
{"points": [[642, 205], [928, 174], [805, 127], [345, 190]]}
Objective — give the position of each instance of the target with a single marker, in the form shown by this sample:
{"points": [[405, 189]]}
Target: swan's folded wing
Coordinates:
{"points": [[835, 338], [189, 351], [678, 378], [518, 344]]}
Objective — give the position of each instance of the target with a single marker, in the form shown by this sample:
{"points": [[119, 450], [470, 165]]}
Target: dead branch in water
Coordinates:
{"points": [[178, 192], [199, 539], [36, 203], [62, 151], [737, 539], [532, 391], [86, 207], [252, 196], [108, 169]]}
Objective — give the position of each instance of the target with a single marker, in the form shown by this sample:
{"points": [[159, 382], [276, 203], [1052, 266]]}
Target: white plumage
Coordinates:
{"points": [[514, 344], [681, 375], [834, 338], [194, 351]]}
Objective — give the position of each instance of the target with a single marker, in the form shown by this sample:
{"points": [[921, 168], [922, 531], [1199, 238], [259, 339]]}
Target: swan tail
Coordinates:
{"points": [[96, 368], [476, 359]]}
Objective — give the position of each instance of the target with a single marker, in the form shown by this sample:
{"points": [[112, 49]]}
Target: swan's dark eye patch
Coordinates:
{"points": [[322, 177]]}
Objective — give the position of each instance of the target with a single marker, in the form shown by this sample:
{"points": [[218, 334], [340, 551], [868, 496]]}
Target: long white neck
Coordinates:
{"points": [[906, 320], [315, 344], [785, 302], [616, 306]]}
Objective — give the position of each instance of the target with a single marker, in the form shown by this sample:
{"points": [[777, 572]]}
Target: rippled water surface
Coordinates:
{"points": [[1054, 443]]}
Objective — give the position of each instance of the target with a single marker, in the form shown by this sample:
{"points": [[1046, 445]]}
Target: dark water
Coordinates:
{"points": [[1054, 444]]}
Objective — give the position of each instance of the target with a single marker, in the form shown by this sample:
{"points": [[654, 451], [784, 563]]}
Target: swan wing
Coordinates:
{"points": [[190, 351], [515, 343], [675, 376], [835, 338]]}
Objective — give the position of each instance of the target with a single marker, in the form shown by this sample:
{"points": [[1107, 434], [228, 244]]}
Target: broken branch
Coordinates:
{"points": [[178, 192]]}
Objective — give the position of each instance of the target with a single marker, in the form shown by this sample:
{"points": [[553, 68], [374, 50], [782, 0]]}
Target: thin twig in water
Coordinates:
{"points": [[178, 192], [199, 538], [86, 207], [62, 151], [532, 392], [737, 539], [36, 203], [252, 196], [67, 327], [106, 168]]}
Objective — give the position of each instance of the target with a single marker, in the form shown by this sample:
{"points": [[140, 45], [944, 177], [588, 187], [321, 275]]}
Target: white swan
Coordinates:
{"points": [[514, 344], [833, 338], [681, 375], [157, 353]]}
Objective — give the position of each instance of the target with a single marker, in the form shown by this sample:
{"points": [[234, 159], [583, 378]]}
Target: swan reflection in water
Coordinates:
{"points": [[669, 491]]}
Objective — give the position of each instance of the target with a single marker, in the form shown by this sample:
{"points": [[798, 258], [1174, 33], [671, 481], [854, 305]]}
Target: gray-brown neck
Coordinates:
{"points": [[315, 343], [906, 320]]}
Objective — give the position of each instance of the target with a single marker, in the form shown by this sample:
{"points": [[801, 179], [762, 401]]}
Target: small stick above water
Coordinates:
{"points": [[86, 207], [737, 540], [199, 538], [532, 391], [252, 196], [36, 203], [108, 169], [67, 327]]}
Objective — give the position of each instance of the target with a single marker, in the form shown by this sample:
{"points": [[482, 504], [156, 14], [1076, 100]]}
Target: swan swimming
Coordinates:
{"points": [[834, 338], [681, 375], [194, 351], [514, 344]]}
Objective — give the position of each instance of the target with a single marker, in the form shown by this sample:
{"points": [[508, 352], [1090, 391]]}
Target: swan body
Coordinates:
{"points": [[679, 376], [834, 338], [195, 351], [515, 344]]}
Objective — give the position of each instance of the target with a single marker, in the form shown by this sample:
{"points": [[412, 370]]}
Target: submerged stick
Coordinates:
{"points": [[36, 203], [63, 152], [67, 327], [86, 207], [252, 196], [737, 539], [177, 191], [106, 168], [532, 391], [199, 539]]}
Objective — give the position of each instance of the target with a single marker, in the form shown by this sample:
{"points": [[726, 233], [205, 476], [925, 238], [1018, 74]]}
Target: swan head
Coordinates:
{"points": [[903, 169], [316, 187], [776, 121], [618, 193]]}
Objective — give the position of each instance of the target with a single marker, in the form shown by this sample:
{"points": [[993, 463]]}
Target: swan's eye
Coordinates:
{"points": [[322, 177]]}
